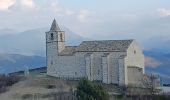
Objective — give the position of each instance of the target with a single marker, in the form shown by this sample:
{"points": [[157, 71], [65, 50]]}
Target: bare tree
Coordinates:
{"points": [[150, 83]]}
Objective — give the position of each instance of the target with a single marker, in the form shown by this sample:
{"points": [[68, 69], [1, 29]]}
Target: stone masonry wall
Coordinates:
{"points": [[134, 58]]}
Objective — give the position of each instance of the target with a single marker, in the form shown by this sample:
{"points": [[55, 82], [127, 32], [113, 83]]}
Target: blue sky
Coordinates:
{"points": [[143, 20]]}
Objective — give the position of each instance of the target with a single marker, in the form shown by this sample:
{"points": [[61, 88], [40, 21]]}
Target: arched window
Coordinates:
{"points": [[61, 37], [52, 36]]}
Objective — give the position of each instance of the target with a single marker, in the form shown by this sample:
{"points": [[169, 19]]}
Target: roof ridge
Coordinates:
{"points": [[109, 40]]}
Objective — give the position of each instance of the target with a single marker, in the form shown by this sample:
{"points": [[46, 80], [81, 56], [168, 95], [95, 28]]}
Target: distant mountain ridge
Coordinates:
{"points": [[159, 64], [32, 42], [21, 50], [18, 51], [16, 62], [8, 31]]}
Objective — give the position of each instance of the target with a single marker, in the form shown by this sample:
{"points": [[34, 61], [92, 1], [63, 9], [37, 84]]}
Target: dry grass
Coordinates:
{"points": [[37, 87], [42, 87]]}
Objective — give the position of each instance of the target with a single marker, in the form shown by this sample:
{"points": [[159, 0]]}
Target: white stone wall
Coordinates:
{"points": [[134, 58], [51, 57], [89, 66], [135, 75], [97, 66], [81, 63], [112, 68], [75, 66], [116, 64], [121, 75], [105, 68]]}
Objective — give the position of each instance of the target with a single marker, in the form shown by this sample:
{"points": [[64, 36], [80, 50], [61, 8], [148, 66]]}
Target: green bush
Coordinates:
{"points": [[26, 96], [87, 90], [50, 86]]}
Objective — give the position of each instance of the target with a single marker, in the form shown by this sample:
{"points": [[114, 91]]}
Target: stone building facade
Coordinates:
{"points": [[108, 61]]}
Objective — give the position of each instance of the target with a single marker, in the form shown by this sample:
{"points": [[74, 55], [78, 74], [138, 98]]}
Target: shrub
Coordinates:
{"points": [[6, 81], [87, 90], [26, 96], [50, 86]]}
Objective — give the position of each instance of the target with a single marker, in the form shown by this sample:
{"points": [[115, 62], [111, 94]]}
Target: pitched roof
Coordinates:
{"points": [[69, 50], [104, 45], [54, 26], [98, 46]]}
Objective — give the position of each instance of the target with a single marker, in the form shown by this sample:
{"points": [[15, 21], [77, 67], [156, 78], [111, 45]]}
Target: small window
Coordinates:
{"points": [[75, 73], [52, 36], [134, 51]]}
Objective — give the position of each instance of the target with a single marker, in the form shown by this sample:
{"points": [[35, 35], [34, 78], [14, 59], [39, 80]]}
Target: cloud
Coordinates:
{"points": [[80, 16], [22, 5], [69, 12], [151, 62], [5, 4], [27, 3], [163, 12], [50, 7], [83, 15], [32, 11]]}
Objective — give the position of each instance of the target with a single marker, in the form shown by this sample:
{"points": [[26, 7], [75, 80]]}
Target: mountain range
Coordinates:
{"points": [[16, 62], [31, 42], [158, 63], [22, 50]]}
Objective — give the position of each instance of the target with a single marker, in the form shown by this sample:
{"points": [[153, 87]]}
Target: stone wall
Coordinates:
{"points": [[134, 58], [135, 75], [76, 66], [109, 67]]}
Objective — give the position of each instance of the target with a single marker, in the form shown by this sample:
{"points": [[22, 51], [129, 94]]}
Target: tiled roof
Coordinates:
{"points": [[104, 45], [98, 46]]}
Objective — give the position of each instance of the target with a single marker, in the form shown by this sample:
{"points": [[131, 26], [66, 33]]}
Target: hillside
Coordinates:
{"points": [[17, 62], [44, 88], [36, 85], [159, 63]]}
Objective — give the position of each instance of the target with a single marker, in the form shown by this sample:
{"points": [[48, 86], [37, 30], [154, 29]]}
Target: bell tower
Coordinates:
{"points": [[55, 37], [54, 45]]}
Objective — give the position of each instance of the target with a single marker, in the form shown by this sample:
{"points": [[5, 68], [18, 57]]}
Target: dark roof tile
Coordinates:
{"points": [[98, 46]]}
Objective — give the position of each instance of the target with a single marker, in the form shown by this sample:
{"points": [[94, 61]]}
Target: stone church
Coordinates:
{"points": [[109, 61]]}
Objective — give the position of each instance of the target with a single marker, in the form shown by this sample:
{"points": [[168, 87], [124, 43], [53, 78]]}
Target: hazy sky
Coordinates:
{"points": [[104, 19]]}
